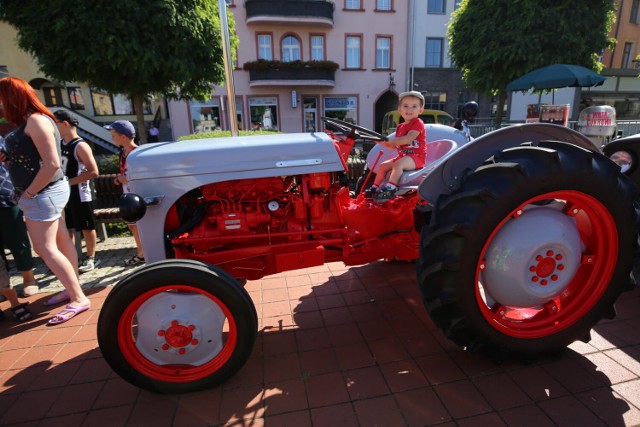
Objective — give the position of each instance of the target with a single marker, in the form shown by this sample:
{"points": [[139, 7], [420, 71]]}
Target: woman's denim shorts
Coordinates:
{"points": [[49, 204]]}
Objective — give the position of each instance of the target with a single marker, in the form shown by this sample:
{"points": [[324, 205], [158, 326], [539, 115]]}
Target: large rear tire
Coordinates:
{"points": [[177, 326], [531, 252]]}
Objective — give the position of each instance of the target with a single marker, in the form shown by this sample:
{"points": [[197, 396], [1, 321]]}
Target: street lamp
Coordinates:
{"points": [[392, 83]]}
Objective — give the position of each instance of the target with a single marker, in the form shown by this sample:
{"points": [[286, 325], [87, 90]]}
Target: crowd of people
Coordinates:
{"points": [[46, 170]]}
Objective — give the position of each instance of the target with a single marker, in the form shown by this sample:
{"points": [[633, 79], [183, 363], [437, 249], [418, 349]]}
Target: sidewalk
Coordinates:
{"points": [[338, 346]]}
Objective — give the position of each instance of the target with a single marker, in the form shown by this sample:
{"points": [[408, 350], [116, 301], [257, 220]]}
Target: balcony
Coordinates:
{"points": [[295, 73], [318, 13]]}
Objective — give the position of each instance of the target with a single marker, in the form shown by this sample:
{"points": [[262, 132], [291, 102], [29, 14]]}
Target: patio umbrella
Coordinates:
{"points": [[556, 76]]}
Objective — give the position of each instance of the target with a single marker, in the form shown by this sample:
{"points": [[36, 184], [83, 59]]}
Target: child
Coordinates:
{"points": [[410, 141], [20, 311]]}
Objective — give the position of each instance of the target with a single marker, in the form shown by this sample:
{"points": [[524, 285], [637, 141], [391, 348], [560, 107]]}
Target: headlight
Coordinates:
{"points": [[624, 159]]}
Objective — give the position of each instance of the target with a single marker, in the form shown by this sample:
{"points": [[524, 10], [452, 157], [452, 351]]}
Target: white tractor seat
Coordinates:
{"points": [[436, 152]]}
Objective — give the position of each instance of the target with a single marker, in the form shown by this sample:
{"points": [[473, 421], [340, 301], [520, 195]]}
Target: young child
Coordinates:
{"points": [[410, 141], [20, 311]]}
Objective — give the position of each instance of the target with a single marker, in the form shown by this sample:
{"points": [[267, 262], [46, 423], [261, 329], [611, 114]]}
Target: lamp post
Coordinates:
{"points": [[392, 83]]}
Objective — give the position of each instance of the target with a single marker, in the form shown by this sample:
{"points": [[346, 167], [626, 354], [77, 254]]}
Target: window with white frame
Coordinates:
{"points": [[383, 4], [352, 4], [264, 47], [290, 49], [434, 52], [341, 107], [353, 51], [435, 7], [317, 48], [383, 52]]}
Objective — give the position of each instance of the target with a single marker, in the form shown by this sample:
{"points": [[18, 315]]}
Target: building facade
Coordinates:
{"points": [[299, 61]]}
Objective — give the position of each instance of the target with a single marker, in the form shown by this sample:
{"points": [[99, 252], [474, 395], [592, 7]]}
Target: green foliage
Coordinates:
{"points": [[169, 47], [494, 42], [108, 164], [263, 64], [226, 133], [118, 229]]}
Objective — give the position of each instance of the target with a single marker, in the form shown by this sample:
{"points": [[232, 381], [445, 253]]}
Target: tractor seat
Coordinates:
{"points": [[436, 152]]}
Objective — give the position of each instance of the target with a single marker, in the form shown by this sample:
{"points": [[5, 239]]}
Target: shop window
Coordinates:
{"points": [[264, 113], [342, 107], [106, 104], [205, 116]]}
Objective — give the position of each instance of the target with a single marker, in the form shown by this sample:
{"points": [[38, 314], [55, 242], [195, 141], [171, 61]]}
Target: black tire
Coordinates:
{"points": [[521, 260], [177, 326]]}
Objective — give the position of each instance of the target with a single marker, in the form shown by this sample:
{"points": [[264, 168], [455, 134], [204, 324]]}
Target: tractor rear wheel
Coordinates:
{"points": [[531, 251], [177, 326]]}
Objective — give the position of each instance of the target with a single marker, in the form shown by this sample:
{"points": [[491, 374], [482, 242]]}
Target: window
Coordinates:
{"points": [[353, 51], [105, 104], [434, 52], [264, 47], [435, 101], [383, 52], [342, 107], [435, 7], [317, 48], [75, 98], [205, 116], [263, 112], [310, 114], [239, 115], [456, 4], [290, 49], [635, 9], [52, 96], [383, 4], [626, 55], [352, 4]]}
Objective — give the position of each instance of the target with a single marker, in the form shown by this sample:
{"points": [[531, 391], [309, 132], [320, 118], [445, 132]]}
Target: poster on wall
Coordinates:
{"points": [[555, 114]]}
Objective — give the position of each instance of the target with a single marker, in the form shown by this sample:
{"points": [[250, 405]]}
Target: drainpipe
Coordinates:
{"points": [[410, 47], [228, 67]]}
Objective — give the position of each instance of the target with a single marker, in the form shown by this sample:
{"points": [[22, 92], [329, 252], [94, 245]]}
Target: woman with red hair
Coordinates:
{"points": [[42, 191]]}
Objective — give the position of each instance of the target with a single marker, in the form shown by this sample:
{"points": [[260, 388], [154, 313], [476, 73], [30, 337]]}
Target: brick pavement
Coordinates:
{"points": [[337, 346]]}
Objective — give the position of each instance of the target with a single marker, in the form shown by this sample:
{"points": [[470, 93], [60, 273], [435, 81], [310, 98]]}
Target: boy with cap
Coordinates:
{"points": [[79, 166], [410, 141], [123, 134]]}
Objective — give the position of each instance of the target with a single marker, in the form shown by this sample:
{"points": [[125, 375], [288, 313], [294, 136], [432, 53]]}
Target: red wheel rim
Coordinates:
{"points": [[598, 234], [172, 373]]}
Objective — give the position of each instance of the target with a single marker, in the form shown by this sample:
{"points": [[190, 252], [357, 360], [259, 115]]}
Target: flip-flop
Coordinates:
{"points": [[68, 313], [58, 298]]}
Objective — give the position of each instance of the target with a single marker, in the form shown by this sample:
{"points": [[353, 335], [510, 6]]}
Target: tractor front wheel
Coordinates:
{"points": [[177, 326]]}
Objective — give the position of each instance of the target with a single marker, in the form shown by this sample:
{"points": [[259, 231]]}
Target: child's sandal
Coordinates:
{"points": [[21, 313]]}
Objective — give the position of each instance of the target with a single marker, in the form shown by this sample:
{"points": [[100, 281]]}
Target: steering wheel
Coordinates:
{"points": [[353, 131]]}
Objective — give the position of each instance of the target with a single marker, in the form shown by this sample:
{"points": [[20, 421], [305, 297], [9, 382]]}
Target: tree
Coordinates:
{"points": [[168, 47], [494, 42]]}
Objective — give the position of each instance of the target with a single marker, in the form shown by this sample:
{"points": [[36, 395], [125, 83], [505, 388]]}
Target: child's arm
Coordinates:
{"points": [[395, 142]]}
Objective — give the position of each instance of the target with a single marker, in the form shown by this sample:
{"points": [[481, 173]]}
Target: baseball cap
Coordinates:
{"points": [[123, 127], [412, 93], [66, 116]]}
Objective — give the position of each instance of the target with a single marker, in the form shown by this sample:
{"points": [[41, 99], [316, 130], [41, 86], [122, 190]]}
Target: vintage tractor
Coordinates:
{"points": [[523, 238]]}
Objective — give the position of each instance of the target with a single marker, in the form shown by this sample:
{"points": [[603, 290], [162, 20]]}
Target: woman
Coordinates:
{"points": [[33, 156]]}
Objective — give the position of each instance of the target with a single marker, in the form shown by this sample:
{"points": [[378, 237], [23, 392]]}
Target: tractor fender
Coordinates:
{"points": [[446, 177]]}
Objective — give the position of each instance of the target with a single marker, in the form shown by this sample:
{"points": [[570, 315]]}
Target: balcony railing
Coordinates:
{"points": [[304, 12], [294, 76]]}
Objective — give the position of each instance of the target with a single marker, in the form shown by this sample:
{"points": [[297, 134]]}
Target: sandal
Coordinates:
{"points": [[21, 313], [58, 298], [68, 313], [134, 260]]}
